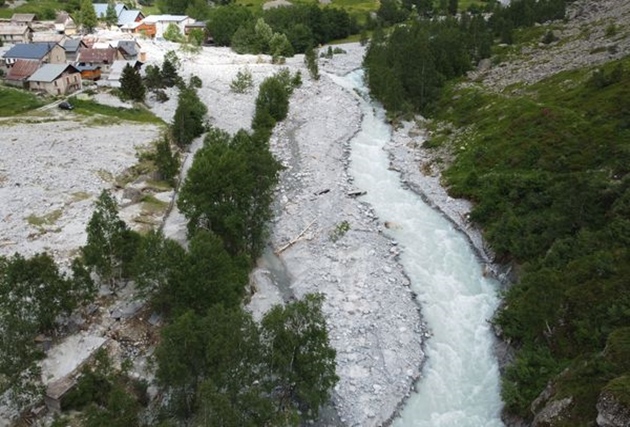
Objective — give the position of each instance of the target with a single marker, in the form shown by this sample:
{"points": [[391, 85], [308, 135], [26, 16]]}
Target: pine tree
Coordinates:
{"points": [[131, 85], [166, 162], [87, 16], [111, 17]]}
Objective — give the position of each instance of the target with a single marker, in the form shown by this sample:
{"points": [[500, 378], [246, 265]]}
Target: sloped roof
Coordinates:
{"points": [[48, 36], [97, 55], [62, 17], [50, 72], [128, 47], [101, 9], [29, 50], [23, 17], [13, 30], [22, 69], [72, 45], [129, 16], [152, 19]]}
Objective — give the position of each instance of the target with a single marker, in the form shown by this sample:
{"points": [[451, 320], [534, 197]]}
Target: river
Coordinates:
{"points": [[460, 384]]}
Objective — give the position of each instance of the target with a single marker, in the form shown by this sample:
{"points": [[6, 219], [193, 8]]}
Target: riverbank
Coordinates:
{"points": [[340, 250]]}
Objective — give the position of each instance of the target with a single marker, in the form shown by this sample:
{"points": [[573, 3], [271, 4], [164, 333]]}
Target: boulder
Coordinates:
{"points": [[611, 412]]}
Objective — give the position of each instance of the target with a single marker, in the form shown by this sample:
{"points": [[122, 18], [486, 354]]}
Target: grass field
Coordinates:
{"points": [[15, 101], [91, 108]]}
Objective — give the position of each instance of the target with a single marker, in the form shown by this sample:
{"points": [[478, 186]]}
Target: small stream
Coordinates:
{"points": [[460, 383]]}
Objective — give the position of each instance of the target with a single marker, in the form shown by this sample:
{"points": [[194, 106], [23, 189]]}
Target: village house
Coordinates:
{"points": [[142, 29], [43, 53], [130, 49], [11, 34], [129, 17], [64, 24], [162, 22], [48, 36], [55, 79], [102, 58], [71, 47], [24, 19], [19, 73]]}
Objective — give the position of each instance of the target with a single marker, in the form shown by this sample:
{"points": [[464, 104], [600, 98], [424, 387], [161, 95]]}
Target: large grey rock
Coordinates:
{"points": [[611, 412], [553, 411]]}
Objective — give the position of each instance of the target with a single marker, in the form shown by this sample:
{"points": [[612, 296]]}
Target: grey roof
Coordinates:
{"points": [[29, 50], [128, 46], [128, 16], [23, 17], [49, 72], [101, 9], [72, 45]]}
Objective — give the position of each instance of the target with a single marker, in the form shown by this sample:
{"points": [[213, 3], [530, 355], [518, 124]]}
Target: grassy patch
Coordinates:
{"points": [[91, 108], [620, 388], [79, 196], [15, 101], [45, 220], [44, 9]]}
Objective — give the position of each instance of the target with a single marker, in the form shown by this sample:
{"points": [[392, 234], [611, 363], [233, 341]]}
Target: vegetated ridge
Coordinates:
{"points": [[538, 137]]}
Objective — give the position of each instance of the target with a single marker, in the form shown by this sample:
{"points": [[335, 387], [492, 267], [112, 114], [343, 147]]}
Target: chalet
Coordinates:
{"points": [[162, 22], [55, 79], [19, 73], [115, 72], [71, 47], [103, 58], [24, 19], [64, 24], [142, 29], [44, 53], [11, 34]]}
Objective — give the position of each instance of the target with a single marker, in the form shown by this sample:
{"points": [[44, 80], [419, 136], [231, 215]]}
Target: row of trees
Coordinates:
{"points": [[279, 31]]}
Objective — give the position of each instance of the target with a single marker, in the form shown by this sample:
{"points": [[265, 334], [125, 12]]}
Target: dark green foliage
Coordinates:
{"points": [[33, 294], [189, 119], [300, 355], [170, 64], [548, 172], [272, 103], [310, 59], [229, 189], [111, 17], [111, 245], [131, 85], [228, 371], [224, 21], [106, 396], [87, 16], [442, 50], [153, 78], [391, 12], [242, 82], [166, 160]]}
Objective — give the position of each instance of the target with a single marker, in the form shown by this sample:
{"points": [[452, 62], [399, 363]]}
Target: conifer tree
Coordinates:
{"points": [[111, 17], [131, 85], [87, 16]]}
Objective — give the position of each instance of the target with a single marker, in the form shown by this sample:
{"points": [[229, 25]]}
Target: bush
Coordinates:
{"points": [[243, 81]]}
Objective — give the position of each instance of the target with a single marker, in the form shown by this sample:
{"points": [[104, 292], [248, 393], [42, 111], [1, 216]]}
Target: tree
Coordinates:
{"points": [[166, 161], [170, 67], [300, 355], [87, 16], [229, 189], [131, 85], [153, 78], [243, 81], [189, 119], [110, 244], [453, 6], [224, 21], [111, 17], [310, 59], [173, 33]]}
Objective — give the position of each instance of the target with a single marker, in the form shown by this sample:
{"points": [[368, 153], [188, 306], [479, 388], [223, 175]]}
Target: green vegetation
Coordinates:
{"points": [[47, 219], [548, 173], [15, 101], [44, 9], [131, 87], [546, 166], [243, 81], [339, 231], [92, 108]]}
